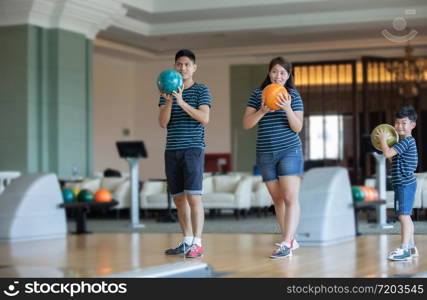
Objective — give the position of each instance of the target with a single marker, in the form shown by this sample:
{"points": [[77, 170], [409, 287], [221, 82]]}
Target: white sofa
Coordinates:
{"points": [[227, 192], [260, 198], [119, 187], [154, 195], [219, 192]]}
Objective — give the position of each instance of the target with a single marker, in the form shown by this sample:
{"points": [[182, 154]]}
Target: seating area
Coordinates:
{"points": [[238, 192], [235, 191]]}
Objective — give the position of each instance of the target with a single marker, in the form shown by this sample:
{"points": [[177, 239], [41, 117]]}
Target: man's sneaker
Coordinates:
{"points": [[195, 251], [182, 248], [400, 254], [281, 252], [414, 251], [294, 244]]}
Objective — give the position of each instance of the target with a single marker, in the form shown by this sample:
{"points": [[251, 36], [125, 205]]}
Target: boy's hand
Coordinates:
{"points": [[382, 135], [178, 97]]}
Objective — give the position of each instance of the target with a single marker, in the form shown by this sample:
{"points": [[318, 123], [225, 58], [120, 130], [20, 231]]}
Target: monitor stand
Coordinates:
{"points": [[133, 165], [381, 186]]}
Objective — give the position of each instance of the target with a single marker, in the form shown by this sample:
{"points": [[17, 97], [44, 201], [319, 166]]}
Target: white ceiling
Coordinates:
{"points": [[162, 26], [155, 28]]}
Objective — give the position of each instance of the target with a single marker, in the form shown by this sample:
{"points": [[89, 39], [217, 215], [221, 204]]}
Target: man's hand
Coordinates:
{"points": [[168, 98], [178, 97]]}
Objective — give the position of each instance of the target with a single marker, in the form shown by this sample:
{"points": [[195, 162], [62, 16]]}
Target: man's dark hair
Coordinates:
{"points": [[187, 53], [407, 111]]}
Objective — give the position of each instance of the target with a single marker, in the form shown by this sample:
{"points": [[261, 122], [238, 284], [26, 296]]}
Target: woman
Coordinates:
{"points": [[279, 151]]}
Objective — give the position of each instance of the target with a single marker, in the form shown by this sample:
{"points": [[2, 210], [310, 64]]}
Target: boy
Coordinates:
{"points": [[404, 162], [184, 114]]}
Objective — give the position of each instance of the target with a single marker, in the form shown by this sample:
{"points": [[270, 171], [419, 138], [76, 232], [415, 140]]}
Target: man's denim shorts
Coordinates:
{"points": [[184, 171], [404, 196], [281, 163]]}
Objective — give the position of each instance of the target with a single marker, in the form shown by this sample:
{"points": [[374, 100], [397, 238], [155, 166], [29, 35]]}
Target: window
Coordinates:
{"points": [[325, 137]]}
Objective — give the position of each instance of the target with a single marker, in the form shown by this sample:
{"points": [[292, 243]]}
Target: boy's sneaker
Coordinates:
{"points": [[281, 252], [414, 251], [182, 248], [400, 254], [294, 244], [195, 251]]}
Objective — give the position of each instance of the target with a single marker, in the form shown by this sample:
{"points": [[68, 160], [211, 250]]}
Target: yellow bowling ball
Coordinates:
{"points": [[76, 192], [393, 136]]}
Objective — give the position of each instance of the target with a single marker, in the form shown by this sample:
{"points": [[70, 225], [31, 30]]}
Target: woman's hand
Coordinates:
{"points": [[284, 101], [264, 108]]}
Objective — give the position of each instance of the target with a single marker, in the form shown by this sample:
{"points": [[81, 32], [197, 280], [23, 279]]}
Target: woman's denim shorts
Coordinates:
{"points": [[281, 163]]}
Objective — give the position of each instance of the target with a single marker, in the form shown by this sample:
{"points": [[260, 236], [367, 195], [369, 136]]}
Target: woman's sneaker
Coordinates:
{"points": [[414, 251], [400, 254], [294, 244], [281, 252], [182, 248]]}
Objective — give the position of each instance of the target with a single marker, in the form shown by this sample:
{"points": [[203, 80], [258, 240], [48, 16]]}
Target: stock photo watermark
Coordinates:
{"points": [[70, 289], [401, 28]]}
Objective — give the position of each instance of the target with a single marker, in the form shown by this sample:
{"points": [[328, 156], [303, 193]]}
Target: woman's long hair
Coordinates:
{"points": [[286, 65]]}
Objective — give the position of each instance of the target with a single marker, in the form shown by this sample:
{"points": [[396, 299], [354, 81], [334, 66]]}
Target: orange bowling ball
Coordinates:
{"points": [[103, 196], [270, 94], [368, 193], [376, 194]]}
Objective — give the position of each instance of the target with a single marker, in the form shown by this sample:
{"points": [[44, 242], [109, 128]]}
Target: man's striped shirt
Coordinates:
{"points": [[184, 131]]}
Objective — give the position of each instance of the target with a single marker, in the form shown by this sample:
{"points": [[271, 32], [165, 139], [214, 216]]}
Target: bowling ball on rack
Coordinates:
{"points": [[358, 194], [85, 196], [103, 195], [68, 195]]}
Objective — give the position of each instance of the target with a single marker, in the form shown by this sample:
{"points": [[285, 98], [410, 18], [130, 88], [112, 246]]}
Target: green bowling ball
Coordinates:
{"points": [[85, 196], [358, 194]]}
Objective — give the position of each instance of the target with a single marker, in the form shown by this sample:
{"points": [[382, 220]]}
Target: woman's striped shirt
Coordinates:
{"points": [[274, 132]]}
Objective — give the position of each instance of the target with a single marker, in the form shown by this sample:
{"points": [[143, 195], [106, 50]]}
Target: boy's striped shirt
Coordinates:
{"points": [[405, 163]]}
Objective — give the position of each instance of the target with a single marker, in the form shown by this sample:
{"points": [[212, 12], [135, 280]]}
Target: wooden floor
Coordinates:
{"points": [[240, 255]]}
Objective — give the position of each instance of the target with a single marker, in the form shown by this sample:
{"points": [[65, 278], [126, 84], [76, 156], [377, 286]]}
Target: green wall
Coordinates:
{"points": [[244, 79], [45, 100]]}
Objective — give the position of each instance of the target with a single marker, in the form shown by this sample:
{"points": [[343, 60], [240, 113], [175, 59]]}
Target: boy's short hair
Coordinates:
{"points": [[407, 111], [187, 53]]}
